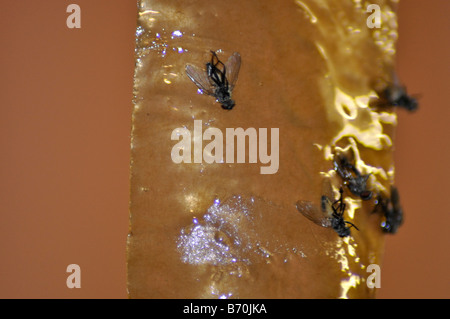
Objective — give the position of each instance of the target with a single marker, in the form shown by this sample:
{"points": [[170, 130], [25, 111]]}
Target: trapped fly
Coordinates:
{"points": [[392, 211], [396, 95], [219, 79], [330, 213], [355, 181]]}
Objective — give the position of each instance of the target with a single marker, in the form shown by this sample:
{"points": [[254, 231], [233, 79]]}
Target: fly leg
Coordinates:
{"points": [[351, 225]]}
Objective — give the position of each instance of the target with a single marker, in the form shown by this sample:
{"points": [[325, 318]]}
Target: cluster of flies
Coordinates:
{"points": [[219, 79], [331, 212]]}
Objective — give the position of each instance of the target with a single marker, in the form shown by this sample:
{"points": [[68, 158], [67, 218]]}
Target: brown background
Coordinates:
{"points": [[65, 122]]}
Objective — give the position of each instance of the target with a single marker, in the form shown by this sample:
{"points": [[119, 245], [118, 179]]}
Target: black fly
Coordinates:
{"points": [[355, 181], [330, 214], [219, 79], [397, 96], [392, 211]]}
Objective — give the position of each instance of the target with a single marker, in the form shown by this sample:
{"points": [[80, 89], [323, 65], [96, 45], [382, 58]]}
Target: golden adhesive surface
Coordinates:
{"points": [[224, 230]]}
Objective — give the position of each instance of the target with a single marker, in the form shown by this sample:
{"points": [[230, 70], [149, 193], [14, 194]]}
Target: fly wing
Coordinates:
{"points": [[328, 201], [313, 213], [327, 189], [232, 69], [200, 78], [326, 206]]}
